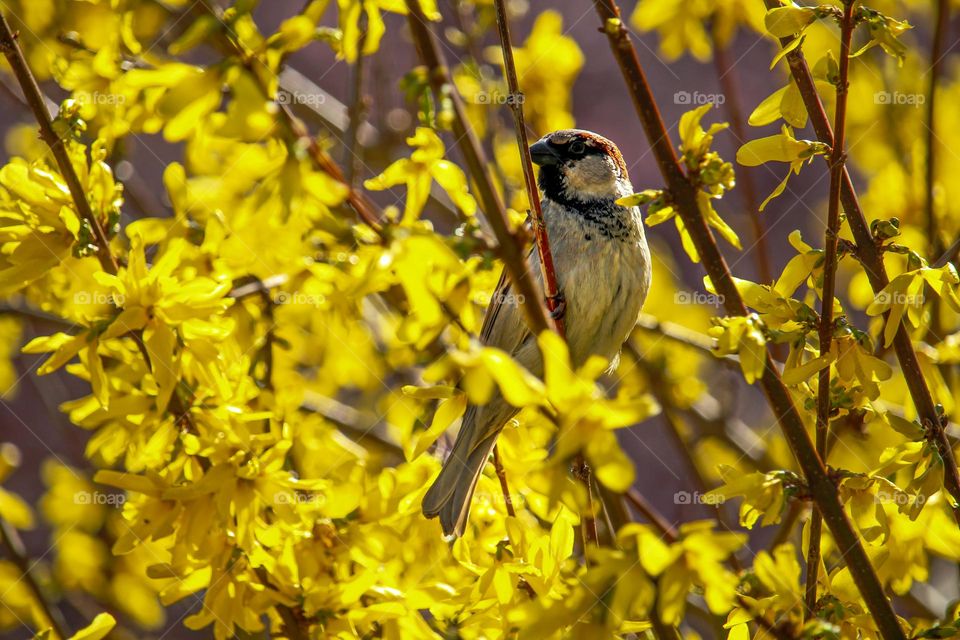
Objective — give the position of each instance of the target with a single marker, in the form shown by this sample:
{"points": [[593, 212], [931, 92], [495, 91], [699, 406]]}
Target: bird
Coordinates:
{"points": [[603, 269]]}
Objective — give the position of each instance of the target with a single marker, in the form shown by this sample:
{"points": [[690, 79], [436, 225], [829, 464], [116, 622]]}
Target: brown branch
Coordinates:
{"points": [[34, 97], [949, 254], [676, 332], [581, 471], [651, 515], [177, 408], [509, 248], [871, 257], [831, 237], [684, 194], [357, 109], [551, 291], [661, 630], [17, 554], [297, 131], [515, 100], [502, 476]]}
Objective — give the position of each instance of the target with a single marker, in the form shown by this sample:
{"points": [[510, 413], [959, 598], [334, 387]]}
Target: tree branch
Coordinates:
{"points": [[551, 289], [296, 129], [34, 98], [831, 236], [822, 488], [443, 89], [18, 556], [502, 477], [871, 258], [357, 109]]}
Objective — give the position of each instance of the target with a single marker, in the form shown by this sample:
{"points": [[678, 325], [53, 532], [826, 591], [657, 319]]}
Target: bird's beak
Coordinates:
{"points": [[542, 153]]}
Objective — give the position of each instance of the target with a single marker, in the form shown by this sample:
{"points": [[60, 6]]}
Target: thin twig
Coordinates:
{"points": [[176, 407], [357, 109], [676, 432], [582, 472], [684, 193], [295, 128], [831, 237], [677, 332], [502, 476], [550, 286], [661, 630], [444, 90], [17, 554], [34, 97], [871, 257], [949, 255], [552, 291], [651, 515]]}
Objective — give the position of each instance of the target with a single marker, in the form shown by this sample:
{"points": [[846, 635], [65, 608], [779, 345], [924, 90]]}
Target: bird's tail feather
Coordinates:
{"points": [[450, 495]]}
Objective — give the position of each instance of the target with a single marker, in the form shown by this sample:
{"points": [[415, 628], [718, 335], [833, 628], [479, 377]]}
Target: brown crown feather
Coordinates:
{"points": [[595, 140]]}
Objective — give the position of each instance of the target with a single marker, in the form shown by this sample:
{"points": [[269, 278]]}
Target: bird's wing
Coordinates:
{"points": [[505, 328], [504, 325]]}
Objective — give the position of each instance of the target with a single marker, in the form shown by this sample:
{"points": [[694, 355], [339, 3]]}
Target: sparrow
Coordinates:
{"points": [[602, 263]]}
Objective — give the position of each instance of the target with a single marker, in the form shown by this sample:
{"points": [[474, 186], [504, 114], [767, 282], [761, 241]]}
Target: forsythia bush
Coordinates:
{"points": [[272, 374]]}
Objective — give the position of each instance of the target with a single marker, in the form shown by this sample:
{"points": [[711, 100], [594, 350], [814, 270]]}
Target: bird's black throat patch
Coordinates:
{"points": [[602, 214]]}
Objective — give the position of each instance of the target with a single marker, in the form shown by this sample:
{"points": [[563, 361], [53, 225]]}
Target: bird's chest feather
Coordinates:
{"points": [[603, 268]]}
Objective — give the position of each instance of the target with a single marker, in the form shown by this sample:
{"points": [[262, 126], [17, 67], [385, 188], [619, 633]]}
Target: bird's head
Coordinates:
{"points": [[580, 166]]}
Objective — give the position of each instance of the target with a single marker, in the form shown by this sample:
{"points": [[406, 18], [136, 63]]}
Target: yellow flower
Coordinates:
{"points": [[425, 165]]}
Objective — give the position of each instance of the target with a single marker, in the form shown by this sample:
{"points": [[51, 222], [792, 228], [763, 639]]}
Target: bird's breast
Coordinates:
{"points": [[604, 272]]}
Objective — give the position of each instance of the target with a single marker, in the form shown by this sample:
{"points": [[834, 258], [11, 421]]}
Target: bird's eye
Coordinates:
{"points": [[577, 147]]}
